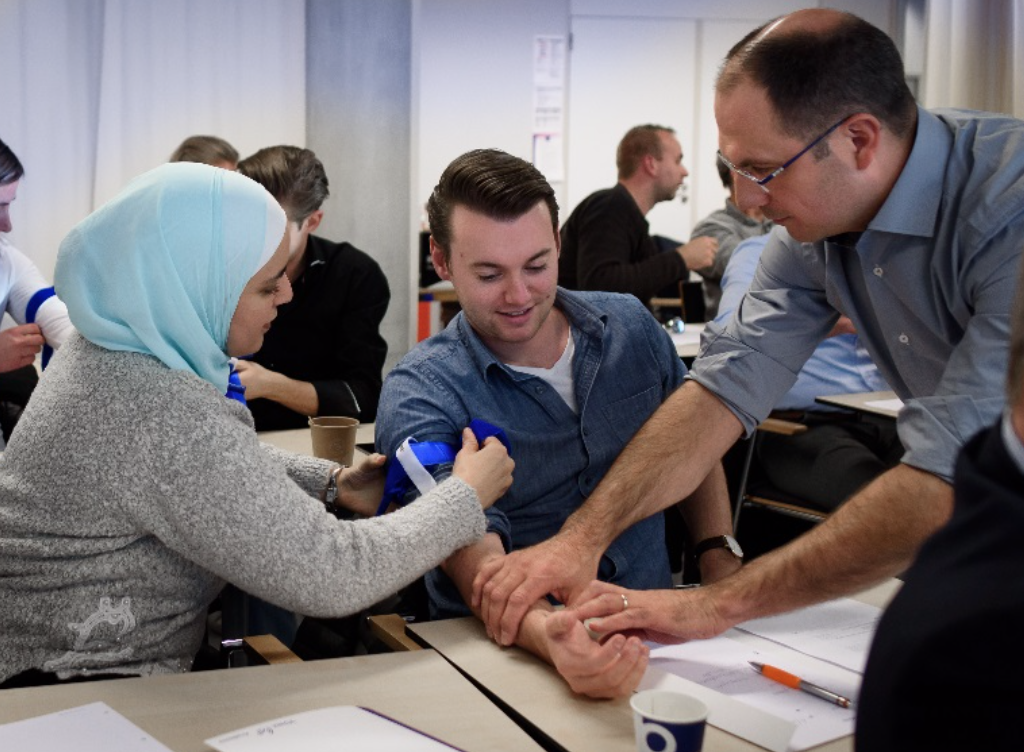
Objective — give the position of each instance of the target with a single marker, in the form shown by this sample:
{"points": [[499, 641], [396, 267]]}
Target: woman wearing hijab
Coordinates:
{"points": [[133, 488]]}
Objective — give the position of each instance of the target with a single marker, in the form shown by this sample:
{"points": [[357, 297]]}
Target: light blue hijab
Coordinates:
{"points": [[160, 268]]}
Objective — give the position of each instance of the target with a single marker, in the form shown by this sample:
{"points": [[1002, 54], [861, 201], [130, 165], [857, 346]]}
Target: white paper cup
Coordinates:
{"points": [[668, 721]]}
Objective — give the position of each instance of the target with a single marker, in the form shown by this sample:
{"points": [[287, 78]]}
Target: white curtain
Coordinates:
{"points": [[975, 55], [96, 91]]}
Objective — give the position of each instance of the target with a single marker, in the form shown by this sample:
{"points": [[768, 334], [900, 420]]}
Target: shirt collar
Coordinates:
{"points": [[912, 207], [581, 315]]}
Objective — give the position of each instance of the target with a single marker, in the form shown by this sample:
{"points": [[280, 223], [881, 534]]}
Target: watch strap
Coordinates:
{"points": [[715, 541]]}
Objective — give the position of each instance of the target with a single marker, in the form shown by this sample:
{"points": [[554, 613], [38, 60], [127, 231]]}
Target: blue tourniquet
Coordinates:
{"points": [[413, 459]]}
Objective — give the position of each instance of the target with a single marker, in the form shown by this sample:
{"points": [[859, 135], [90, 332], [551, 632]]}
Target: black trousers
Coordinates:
{"points": [[836, 457]]}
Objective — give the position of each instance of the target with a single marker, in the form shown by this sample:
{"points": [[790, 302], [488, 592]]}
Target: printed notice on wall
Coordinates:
{"points": [[549, 64]]}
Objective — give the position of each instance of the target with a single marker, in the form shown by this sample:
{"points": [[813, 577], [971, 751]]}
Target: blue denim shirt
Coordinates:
{"points": [[624, 367], [928, 286]]}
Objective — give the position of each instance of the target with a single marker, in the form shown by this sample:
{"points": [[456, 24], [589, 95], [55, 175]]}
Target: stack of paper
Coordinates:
{"points": [[329, 730], [826, 645]]}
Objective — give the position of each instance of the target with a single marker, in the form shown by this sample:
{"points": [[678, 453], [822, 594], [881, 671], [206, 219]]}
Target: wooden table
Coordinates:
{"points": [[534, 691], [419, 689], [688, 342], [858, 402], [299, 441]]}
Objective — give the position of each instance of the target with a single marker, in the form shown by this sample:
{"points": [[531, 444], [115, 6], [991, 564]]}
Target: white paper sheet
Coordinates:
{"points": [[328, 730], [788, 719], [895, 404], [89, 728], [839, 631]]}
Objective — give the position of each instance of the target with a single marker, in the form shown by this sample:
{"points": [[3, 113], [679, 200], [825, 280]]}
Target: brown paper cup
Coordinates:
{"points": [[334, 438]]}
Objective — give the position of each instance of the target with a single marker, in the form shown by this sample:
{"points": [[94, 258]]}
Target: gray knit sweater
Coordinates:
{"points": [[130, 493]]}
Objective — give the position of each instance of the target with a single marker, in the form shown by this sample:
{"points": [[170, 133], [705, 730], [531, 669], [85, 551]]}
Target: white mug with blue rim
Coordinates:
{"points": [[668, 721]]}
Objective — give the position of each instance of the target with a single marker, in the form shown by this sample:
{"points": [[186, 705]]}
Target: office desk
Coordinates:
{"points": [[858, 402], [299, 441], [534, 690], [688, 342], [419, 689]]}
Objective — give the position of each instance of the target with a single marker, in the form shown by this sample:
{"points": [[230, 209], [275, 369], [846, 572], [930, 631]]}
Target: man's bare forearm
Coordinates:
{"points": [[462, 567], [667, 459], [296, 395], [875, 535]]}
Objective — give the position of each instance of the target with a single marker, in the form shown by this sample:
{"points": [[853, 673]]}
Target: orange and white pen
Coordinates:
{"points": [[795, 682]]}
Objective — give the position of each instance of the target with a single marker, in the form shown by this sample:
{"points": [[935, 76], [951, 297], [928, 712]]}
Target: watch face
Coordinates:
{"points": [[733, 545]]}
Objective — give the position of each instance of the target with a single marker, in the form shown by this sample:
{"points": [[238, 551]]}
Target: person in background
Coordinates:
{"points": [[606, 243], [943, 674], [41, 319], [906, 221], [134, 487], [209, 150], [840, 452], [325, 354], [729, 227], [568, 376]]}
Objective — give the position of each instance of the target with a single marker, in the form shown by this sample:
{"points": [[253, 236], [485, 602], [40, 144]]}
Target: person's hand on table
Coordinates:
{"points": [[19, 346], [361, 487], [487, 468], [612, 668], [665, 616], [504, 589], [699, 253]]}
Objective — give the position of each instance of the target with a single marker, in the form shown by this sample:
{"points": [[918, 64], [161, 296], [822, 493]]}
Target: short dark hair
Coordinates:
{"points": [[10, 167], [491, 182], [813, 78], [1015, 373], [640, 141], [292, 175], [210, 150], [724, 174]]}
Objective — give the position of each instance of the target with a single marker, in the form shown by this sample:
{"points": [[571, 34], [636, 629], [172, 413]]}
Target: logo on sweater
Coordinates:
{"points": [[98, 638]]}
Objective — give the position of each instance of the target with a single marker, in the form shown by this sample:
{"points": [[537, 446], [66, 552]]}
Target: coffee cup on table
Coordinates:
{"points": [[334, 438], [667, 721]]}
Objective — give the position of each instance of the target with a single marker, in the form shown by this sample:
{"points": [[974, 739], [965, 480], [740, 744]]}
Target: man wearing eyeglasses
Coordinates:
{"points": [[909, 222]]}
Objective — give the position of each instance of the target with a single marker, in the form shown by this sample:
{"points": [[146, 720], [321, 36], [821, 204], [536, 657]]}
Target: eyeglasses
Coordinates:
{"points": [[762, 183]]}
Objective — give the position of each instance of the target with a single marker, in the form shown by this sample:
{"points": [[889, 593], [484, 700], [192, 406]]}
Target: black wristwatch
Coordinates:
{"points": [[329, 496], [727, 542]]}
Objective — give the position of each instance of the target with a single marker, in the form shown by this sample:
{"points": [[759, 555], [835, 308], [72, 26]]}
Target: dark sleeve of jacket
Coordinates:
{"points": [[608, 239], [357, 350], [944, 670], [329, 336]]}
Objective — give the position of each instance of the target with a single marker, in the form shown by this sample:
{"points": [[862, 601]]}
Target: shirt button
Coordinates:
{"points": [[878, 271], [904, 339], [540, 390], [586, 432]]}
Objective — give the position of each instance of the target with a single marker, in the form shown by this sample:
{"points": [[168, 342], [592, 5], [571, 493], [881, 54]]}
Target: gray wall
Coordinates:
{"points": [[358, 120]]}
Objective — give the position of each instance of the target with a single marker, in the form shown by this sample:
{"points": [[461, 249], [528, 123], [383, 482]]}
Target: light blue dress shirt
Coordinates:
{"points": [[928, 286], [624, 367], [839, 365]]}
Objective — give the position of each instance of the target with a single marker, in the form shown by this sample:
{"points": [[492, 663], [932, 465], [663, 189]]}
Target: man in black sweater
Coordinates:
{"points": [[324, 355], [606, 244]]}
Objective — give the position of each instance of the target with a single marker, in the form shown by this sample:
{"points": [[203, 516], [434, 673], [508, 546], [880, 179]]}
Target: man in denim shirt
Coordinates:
{"points": [[909, 222], [569, 376]]}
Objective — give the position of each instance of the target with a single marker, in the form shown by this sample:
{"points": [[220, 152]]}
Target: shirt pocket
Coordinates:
{"points": [[625, 416]]}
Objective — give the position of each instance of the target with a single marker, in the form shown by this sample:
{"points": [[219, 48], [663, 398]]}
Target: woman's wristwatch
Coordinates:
{"points": [[329, 496]]}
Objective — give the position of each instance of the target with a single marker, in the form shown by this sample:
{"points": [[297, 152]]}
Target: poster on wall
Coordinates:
{"points": [[549, 65]]}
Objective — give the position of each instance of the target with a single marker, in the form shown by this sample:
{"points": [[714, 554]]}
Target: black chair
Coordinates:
{"points": [[758, 493]]}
